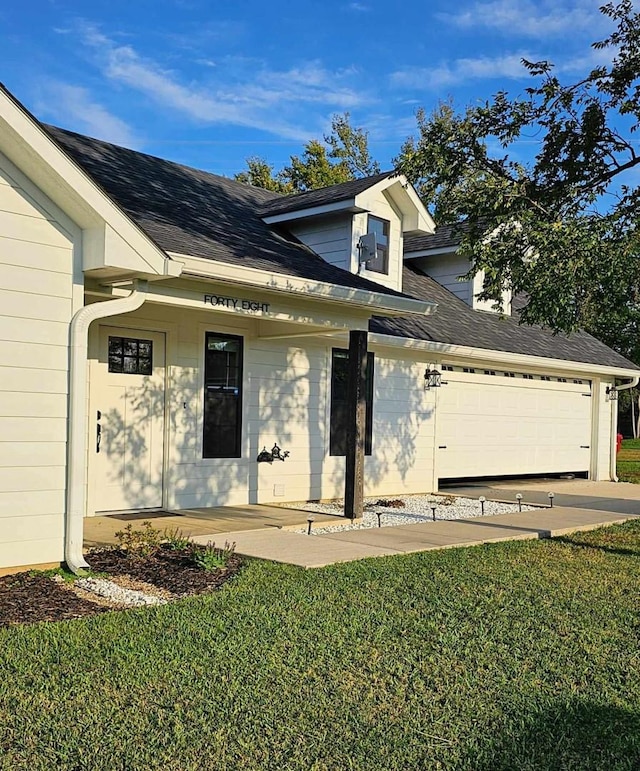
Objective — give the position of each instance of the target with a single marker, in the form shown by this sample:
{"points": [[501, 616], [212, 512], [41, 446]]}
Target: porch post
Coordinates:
{"points": [[356, 411]]}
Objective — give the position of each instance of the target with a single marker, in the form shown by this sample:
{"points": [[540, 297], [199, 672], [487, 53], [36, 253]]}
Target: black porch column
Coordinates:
{"points": [[356, 411]]}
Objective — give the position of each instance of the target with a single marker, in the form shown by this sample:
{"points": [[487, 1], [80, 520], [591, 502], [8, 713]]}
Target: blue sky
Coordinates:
{"points": [[210, 83]]}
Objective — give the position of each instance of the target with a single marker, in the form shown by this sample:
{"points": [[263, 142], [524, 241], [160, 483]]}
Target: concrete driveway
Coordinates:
{"points": [[617, 497]]}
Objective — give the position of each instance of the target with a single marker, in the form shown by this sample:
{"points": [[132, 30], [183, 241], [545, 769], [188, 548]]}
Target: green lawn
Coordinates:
{"points": [[629, 461], [510, 656]]}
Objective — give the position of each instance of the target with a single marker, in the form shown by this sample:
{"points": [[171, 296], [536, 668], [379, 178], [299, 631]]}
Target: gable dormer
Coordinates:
{"points": [[437, 256], [332, 221]]}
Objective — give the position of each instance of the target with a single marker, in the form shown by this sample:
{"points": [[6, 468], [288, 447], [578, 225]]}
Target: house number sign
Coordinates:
{"points": [[236, 303]]}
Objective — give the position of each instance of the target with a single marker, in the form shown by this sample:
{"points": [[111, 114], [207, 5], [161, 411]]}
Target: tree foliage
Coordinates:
{"points": [[563, 227], [342, 155], [260, 173]]}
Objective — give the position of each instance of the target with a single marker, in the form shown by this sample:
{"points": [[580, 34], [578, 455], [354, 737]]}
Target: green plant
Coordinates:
{"points": [[212, 557], [64, 574], [139, 542], [176, 539]]}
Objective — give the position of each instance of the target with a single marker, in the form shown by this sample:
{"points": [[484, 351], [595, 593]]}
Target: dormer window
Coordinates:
{"points": [[380, 263]]}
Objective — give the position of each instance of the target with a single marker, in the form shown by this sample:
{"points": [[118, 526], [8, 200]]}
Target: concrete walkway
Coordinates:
{"points": [[265, 531], [326, 549]]}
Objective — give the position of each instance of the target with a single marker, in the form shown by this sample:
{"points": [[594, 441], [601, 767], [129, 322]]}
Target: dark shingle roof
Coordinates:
{"points": [[192, 212], [325, 195], [200, 214], [445, 236], [455, 323]]}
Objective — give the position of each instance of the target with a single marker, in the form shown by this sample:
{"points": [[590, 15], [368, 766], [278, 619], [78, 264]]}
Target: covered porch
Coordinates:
{"points": [[211, 521]]}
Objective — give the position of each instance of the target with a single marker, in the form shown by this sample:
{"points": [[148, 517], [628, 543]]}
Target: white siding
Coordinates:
{"points": [[330, 237], [36, 305], [380, 206], [446, 269], [602, 431], [286, 401]]}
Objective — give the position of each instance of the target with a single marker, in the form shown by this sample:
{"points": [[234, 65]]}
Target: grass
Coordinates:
{"points": [[522, 655], [628, 465]]}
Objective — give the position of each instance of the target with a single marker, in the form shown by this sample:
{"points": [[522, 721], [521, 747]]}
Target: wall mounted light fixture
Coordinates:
{"points": [[612, 393], [432, 377]]}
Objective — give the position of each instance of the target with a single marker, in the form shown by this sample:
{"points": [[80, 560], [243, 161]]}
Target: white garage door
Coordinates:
{"points": [[496, 425]]}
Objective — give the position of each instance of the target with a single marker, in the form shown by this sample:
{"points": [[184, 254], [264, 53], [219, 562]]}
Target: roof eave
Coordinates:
{"points": [[281, 283], [505, 357], [348, 205]]}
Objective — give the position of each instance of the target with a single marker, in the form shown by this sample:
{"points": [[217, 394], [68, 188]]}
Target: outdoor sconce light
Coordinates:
{"points": [[265, 456], [276, 453], [432, 378], [612, 393]]}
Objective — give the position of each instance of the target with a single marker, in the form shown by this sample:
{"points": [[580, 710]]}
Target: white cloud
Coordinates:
{"points": [[459, 71], [525, 18], [505, 67], [236, 92], [64, 101], [358, 7]]}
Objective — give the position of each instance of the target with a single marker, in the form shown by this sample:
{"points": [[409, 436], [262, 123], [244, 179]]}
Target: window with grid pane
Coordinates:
{"points": [[130, 356], [222, 396]]}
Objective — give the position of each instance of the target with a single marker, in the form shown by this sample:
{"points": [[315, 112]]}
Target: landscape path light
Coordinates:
{"points": [[482, 500], [519, 499], [433, 512], [310, 520], [551, 496]]}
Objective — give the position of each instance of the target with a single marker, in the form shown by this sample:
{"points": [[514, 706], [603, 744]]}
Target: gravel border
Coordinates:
{"points": [[408, 510], [119, 595]]}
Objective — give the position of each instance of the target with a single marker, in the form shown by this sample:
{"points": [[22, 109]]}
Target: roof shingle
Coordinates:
{"points": [[199, 214], [325, 195], [455, 323]]}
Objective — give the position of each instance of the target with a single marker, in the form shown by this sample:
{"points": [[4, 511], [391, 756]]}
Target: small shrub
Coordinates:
{"points": [[141, 542], [212, 557], [176, 540], [447, 500]]}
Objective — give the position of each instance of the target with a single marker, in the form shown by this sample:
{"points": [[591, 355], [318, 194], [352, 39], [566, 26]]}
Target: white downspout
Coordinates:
{"points": [[614, 425], [77, 432]]}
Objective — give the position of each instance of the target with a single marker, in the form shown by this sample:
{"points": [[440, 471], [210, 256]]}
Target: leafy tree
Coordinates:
{"points": [[259, 173], [314, 169], [341, 156], [562, 228]]}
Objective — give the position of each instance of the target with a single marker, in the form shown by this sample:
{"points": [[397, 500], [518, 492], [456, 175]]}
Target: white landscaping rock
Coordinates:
{"points": [[417, 508], [117, 594]]}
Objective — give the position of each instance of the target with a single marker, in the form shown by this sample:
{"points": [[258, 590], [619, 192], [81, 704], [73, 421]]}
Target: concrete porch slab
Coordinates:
{"points": [[101, 530]]}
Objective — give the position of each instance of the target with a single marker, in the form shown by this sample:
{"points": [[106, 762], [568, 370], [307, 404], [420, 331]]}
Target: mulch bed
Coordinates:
{"points": [[26, 598], [166, 568]]}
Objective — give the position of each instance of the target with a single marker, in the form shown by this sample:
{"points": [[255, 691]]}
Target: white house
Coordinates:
{"points": [[160, 326]]}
